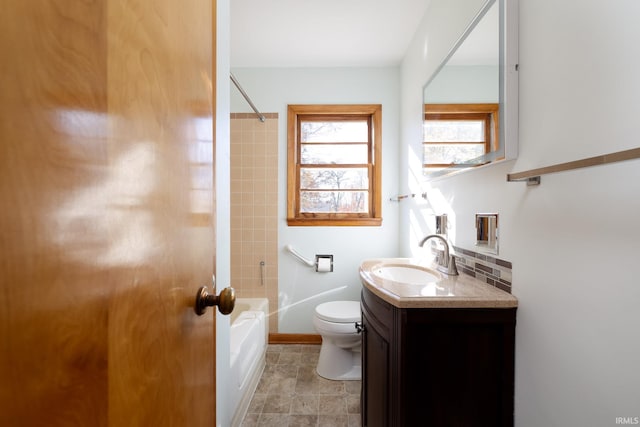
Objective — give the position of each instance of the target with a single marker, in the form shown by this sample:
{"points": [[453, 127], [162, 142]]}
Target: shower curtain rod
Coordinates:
{"points": [[235, 82]]}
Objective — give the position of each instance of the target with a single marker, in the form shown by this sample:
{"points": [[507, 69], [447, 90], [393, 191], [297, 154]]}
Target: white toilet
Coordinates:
{"points": [[340, 354]]}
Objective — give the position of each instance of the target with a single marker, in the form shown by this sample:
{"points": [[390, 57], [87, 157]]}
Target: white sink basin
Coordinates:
{"points": [[405, 274]]}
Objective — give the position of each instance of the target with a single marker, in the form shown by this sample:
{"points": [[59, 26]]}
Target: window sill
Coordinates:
{"points": [[338, 222]]}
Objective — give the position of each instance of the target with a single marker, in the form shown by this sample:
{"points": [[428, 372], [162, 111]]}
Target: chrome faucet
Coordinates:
{"points": [[446, 263]]}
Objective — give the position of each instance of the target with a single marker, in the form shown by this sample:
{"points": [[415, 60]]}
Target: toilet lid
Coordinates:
{"points": [[339, 311]]}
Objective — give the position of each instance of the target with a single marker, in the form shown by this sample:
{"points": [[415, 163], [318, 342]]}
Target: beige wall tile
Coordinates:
{"points": [[254, 198]]}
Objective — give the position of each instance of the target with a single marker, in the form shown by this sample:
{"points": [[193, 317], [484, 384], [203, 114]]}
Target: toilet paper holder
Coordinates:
{"points": [[324, 263]]}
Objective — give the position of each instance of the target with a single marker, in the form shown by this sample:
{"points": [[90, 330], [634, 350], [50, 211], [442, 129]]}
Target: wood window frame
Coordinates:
{"points": [[488, 112], [371, 218]]}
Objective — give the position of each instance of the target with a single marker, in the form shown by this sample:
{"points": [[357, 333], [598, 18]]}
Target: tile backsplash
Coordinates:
{"points": [[491, 270]]}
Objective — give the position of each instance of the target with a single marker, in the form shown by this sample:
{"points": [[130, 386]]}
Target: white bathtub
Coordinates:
{"points": [[249, 335]]}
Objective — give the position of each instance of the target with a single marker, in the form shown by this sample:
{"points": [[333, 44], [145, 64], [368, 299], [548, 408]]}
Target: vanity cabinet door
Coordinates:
{"points": [[376, 361], [375, 381]]}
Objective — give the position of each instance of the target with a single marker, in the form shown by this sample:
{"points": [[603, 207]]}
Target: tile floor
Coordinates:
{"points": [[291, 393]]}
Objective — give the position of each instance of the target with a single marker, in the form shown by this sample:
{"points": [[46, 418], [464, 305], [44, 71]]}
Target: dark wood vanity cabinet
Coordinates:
{"points": [[436, 367]]}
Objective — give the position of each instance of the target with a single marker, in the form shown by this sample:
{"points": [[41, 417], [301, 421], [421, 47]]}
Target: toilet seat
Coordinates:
{"points": [[339, 311]]}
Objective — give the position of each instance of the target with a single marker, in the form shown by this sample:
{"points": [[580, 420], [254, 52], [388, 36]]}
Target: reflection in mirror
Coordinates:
{"points": [[470, 103], [459, 133], [487, 233]]}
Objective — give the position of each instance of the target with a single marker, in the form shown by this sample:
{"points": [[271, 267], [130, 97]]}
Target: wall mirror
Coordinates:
{"points": [[471, 101]]}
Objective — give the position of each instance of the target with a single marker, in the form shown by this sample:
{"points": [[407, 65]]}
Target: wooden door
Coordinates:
{"points": [[106, 212]]}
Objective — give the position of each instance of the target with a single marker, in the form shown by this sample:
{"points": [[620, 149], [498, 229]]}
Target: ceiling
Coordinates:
{"points": [[322, 33]]}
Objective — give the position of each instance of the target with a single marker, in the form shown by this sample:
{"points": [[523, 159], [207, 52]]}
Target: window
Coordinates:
{"points": [[458, 134], [334, 165]]}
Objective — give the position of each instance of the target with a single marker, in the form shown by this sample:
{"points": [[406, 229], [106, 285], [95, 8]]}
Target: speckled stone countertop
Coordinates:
{"points": [[444, 291]]}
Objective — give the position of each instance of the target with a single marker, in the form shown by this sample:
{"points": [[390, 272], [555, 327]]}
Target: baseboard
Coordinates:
{"points": [[295, 339]]}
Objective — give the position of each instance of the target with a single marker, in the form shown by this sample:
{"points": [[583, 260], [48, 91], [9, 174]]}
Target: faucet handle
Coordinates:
{"points": [[452, 270]]}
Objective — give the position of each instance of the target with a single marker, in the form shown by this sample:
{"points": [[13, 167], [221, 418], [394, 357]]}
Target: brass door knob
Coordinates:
{"points": [[225, 301]]}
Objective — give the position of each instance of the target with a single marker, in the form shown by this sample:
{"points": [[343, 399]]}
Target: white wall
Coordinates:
{"points": [[300, 288], [442, 26], [223, 202], [573, 240]]}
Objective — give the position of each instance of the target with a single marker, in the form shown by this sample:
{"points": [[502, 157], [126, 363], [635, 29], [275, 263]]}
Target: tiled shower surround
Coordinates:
{"points": [[494, 271], [254, 209]]}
